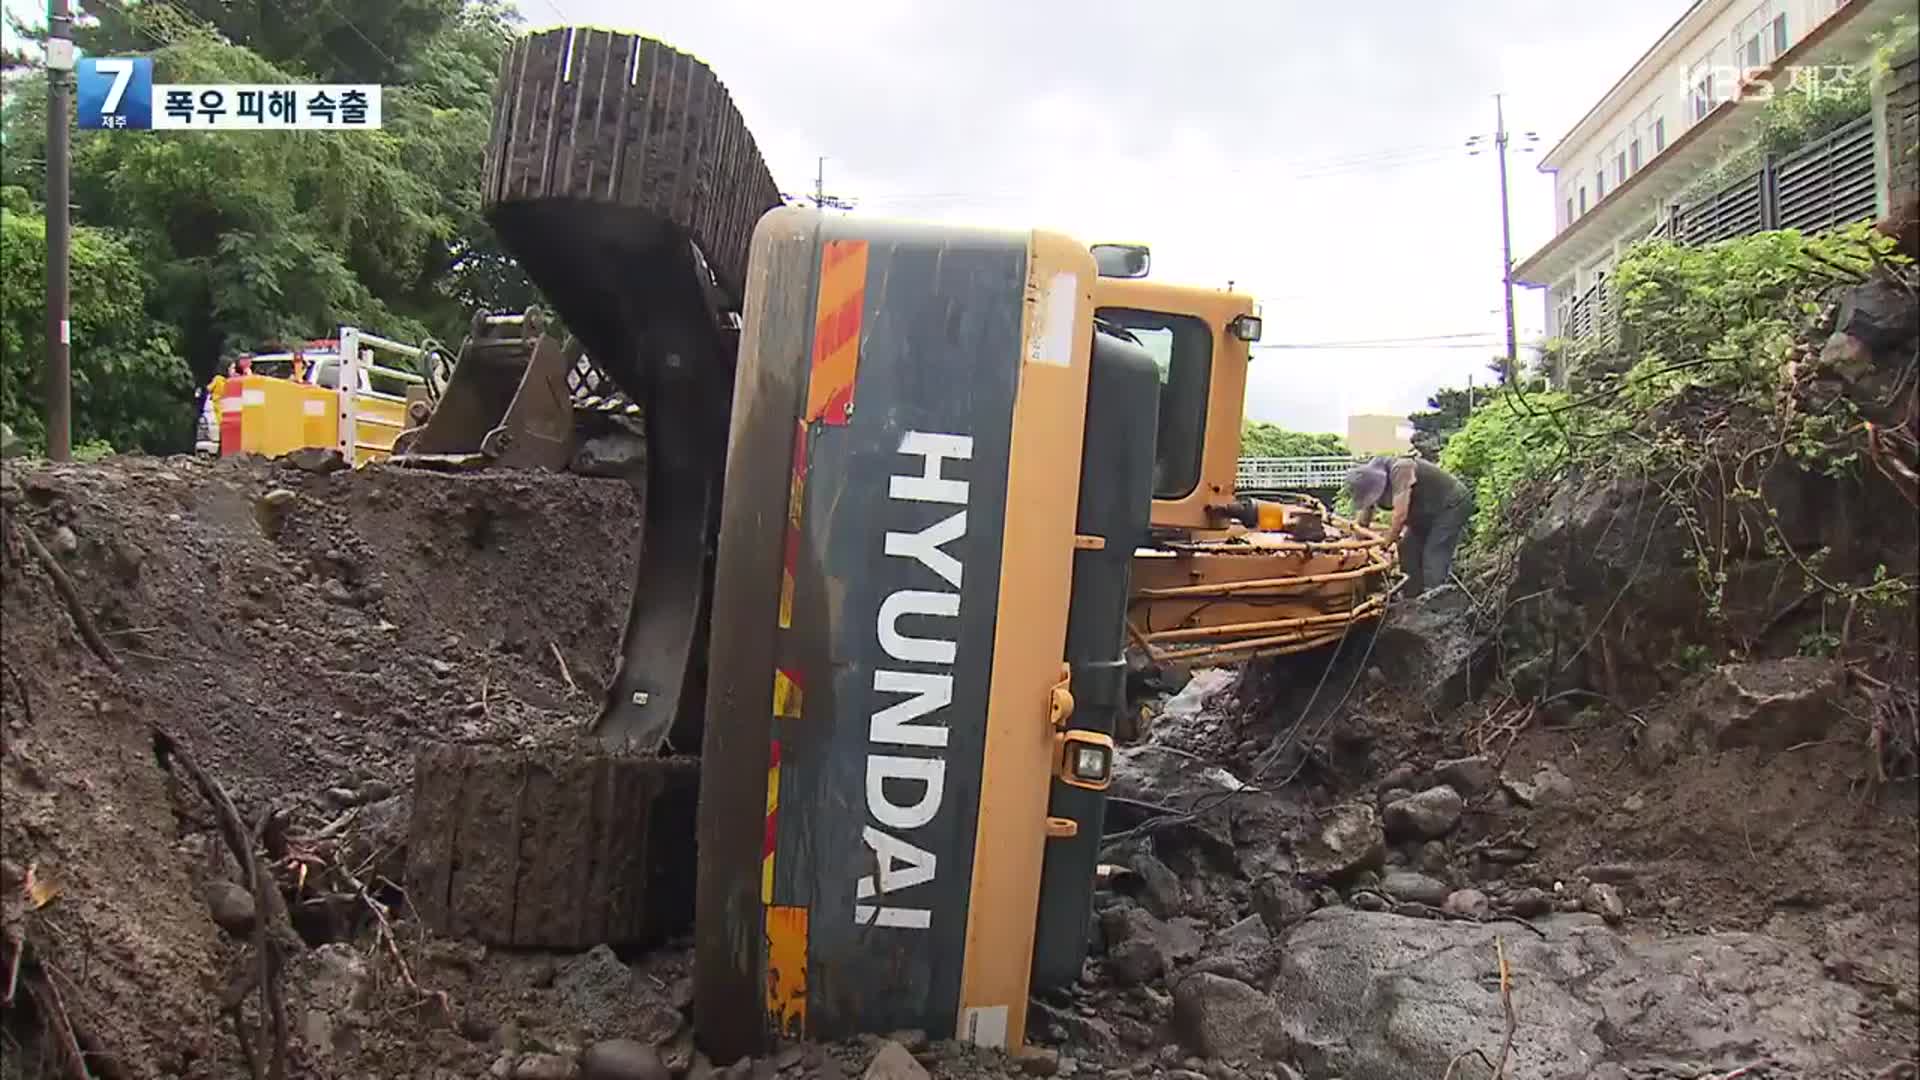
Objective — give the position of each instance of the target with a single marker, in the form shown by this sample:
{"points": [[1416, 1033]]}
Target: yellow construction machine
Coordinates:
{"points": [[910, 491]]}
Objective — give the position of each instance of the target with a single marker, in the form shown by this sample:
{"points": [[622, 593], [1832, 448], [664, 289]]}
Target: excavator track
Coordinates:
{"points": [[621, 176]]}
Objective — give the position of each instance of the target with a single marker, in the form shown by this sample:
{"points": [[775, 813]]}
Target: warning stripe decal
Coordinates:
{"points": [[787, 970], [796, 492], [836, 331], [773, 812]]}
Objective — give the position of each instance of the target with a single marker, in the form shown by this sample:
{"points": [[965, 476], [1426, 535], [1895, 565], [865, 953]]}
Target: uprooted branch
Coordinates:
{"points": [[271, 929], [63, 584]]}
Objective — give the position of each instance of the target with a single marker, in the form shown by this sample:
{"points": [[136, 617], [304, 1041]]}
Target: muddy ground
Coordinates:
{"points": [[1724, 876]]}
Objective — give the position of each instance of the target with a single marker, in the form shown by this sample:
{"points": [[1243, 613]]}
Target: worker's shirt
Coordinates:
{"points": [[1435, 491]]}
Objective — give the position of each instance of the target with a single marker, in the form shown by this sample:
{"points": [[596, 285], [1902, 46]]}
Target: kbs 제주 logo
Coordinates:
{"points": [[119, 92]]}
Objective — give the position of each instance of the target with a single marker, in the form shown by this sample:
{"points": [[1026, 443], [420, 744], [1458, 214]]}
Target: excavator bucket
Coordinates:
{"points": [[508, 400]]}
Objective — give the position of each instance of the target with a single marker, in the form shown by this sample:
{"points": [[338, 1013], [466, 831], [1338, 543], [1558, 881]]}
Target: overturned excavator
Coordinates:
{"points": [[911, 493]]}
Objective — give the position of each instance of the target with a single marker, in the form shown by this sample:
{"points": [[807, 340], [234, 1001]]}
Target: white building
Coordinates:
{"points": [[1693, 100]]}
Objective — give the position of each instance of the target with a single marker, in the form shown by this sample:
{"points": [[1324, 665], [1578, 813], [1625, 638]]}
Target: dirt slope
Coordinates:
{"points": [[300, 653]]}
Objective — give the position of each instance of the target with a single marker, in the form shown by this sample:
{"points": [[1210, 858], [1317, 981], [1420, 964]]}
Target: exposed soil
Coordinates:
{"points": [[304, 645]]}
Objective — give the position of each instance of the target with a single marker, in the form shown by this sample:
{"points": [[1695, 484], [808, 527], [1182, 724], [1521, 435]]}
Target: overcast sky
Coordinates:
{"points": [[1312, 154]]}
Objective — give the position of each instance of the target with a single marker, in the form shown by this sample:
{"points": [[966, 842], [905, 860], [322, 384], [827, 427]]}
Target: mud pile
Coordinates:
{"points": [[301, 632]]}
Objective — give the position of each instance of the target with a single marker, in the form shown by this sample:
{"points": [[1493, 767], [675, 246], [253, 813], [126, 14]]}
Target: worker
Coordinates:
{"points": [[1430, 513]]}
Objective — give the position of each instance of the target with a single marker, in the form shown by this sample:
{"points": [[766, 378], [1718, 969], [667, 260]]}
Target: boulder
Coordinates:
{"points": [[1393, 998], [1418, 888], [1218, 1017], [894, 1062], [1349, 839], [1243, 951], [1429, 815], [622, 1059], [1469, 776], [1161, 891], [1429, 647], [1767, 704]]}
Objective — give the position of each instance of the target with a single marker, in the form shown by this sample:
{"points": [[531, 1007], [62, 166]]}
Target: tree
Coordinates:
{"points": [[127, 375], [1446, 413], [255, 237], [1261, 438]]}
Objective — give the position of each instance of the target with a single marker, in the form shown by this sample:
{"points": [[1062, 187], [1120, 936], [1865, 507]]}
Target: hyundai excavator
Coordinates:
{"points": [[912, 492]]}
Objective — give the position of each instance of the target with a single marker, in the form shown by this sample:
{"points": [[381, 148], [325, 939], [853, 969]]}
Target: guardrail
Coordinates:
{"points": [[1294, 473], [357, 351]]}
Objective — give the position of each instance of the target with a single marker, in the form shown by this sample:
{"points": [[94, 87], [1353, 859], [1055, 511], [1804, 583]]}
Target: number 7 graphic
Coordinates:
{"points": [[122, 72]]}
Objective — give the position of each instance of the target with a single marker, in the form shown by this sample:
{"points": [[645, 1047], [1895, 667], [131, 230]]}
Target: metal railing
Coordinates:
{"points": [[1825, 184], [357, 351], [1294, 473]]}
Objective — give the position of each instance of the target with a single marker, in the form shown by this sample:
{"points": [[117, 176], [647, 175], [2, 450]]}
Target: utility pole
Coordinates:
{"points": [[1506, 237], [59, 384], [822, 200]]}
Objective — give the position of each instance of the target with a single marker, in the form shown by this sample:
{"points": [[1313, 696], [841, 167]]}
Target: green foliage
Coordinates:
{"points": [[1260, 438], [127, 376], [1446, 413], [248, 238], [1511, 440]]}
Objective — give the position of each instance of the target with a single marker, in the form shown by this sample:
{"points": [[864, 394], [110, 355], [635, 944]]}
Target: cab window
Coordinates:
{"points": [[1182, 347]]}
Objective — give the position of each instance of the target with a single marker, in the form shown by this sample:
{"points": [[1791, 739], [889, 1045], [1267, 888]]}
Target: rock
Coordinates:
{"points": [[1367, 900], [1419, 888], [1218, 1017], [231, 907], [64, 542], [1469, 776], [893, 1062], [1040, 1061], [1429, 815], [1162, 892], [542, 1067], [1611, 873], [1400, 776], [1470, 903], [1349, 839], [1395, 794], [1547, 787], [612, 454], [270, 511], [622, 1059], [1432, 858], [1604, 900], [1768, 704], [1880, 313], [1381, 996], [316, 459], [1280, 903], [913, 1039], [1243, 951], [1428, 646], [1531, 903], [597, 991], [1135, 962]]}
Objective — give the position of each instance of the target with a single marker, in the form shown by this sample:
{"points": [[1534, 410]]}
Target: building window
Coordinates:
{"points": [[1620, 167], [1780, 41], [1599, 184], [1701, 97], [1659, 134], [1760, 38], [1569, 209], [1634, 160], [1583, 198]]}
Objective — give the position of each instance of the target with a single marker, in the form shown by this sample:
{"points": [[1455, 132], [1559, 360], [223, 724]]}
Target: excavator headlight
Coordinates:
{"points": [[1085, 759], [1245, 327]]}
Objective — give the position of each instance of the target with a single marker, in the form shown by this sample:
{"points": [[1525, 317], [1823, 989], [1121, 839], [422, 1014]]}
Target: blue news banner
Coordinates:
{"points": [[118, 92]]}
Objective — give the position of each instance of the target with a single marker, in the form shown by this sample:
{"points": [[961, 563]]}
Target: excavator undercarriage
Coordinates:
{"points": [[728, 334]]}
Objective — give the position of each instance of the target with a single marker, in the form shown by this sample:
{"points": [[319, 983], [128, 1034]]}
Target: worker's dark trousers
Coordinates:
{"points": [[1426, 556]]}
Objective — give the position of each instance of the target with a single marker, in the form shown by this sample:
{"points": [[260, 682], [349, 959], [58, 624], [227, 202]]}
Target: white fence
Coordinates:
{"points": [[1294, 473]]}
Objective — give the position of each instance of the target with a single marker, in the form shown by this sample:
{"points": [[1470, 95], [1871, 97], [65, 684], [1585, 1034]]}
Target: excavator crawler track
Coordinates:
{"points": [[622, 178]]}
